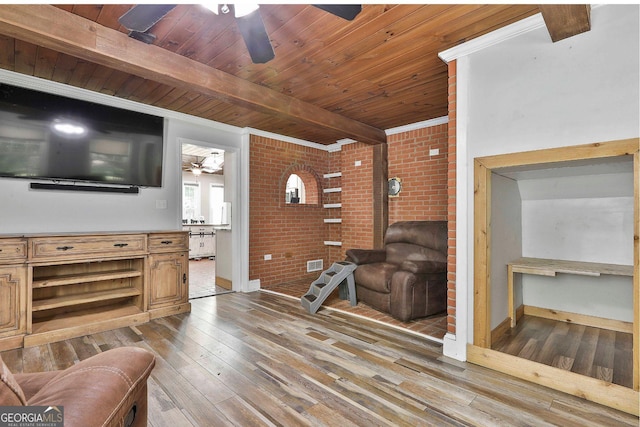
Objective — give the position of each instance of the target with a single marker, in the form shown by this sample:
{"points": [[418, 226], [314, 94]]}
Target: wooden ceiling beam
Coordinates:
{"points": [[53, 28], [566, 20]]}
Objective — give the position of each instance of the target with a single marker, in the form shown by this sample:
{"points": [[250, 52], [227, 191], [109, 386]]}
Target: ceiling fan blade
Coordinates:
{"points": [[344, 11], [255, 37], [144, 16]]}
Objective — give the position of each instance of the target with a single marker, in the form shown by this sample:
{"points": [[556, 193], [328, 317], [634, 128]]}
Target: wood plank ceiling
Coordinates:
{"points": [[377, 72]]}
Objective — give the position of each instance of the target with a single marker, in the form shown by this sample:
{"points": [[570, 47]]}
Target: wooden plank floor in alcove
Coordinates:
{"points": [[599, 353]]}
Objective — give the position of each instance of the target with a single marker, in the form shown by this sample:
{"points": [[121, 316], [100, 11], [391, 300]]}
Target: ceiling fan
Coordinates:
{"points": [[211, 164], [140, 18]]}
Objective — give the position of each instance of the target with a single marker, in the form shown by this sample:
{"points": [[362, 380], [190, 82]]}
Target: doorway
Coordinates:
{"points": [[205, 215]]}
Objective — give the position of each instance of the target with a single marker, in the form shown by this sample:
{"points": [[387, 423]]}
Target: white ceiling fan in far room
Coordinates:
{"points": [[200, 160]]}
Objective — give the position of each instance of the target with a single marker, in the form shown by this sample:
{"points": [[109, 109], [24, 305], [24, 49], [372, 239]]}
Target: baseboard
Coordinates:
{"points": [[505, 325], [224, 283], [501, 329], [580, 319]]}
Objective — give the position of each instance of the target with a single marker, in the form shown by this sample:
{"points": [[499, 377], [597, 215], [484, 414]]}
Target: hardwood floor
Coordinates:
{"points": [[202, 279], [260, 360], [599, 353]]}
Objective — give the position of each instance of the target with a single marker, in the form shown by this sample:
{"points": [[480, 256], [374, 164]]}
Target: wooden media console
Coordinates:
{"points": [[55, 287]]}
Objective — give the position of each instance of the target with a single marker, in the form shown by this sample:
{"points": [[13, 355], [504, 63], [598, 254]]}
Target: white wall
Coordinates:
{"points": [[506, 238], [528, 93]]}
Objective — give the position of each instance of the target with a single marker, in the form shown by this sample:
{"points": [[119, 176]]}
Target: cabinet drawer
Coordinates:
{"points": [[13, 250], [169, 242], [81, 247]]}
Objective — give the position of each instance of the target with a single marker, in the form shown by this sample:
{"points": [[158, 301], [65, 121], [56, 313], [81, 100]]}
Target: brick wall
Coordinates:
{"points": [[292, 233], [424, 177], [451, 259], [357, 202]]}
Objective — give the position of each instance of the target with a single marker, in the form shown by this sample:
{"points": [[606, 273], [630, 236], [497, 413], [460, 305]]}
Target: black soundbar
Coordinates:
{"points": [[93, 188]]}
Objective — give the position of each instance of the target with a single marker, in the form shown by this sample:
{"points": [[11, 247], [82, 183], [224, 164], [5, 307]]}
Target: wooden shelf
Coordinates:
{"points": [[332, 190], [84, 322], [84, 298], [550, 267], [74, 279], [332, 175]]}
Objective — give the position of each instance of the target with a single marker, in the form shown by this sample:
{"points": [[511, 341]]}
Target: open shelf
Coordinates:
{"points": [[332, 175], [73, 279], [84, 298], [333, 220], [83, 322], [333, 190]]}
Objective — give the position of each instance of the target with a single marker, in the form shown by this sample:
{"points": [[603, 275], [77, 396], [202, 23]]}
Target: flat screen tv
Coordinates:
{"points": [[51, 137]]}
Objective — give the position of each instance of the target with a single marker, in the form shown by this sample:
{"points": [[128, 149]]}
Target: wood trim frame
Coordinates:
{"points": [[380, 194], [482, 256], [611, 395], [480, 351]]}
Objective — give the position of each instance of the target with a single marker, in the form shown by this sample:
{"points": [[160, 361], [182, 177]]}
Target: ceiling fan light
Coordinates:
{"points": [[196, 171], [244, 9]]}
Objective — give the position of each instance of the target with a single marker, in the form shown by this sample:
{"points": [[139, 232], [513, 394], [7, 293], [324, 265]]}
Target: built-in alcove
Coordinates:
{"points": [[556, 269], [300, 186]]}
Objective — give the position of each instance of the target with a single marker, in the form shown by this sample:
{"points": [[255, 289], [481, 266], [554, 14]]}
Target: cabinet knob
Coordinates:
{"points": [[166, 242], [64, 248], [121, 245], [184, 278]]}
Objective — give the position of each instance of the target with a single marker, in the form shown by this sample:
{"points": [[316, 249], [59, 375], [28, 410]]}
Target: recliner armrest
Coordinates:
{"points": [[423, 267], [100, 390], [366, 256]]}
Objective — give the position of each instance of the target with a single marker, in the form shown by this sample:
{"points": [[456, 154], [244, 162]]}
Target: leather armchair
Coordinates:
{"points": [[108, 389], [408, 278]]}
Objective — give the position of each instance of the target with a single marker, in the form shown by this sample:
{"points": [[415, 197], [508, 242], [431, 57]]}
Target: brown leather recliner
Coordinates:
{"points": [[408, 278], [108, 389]]}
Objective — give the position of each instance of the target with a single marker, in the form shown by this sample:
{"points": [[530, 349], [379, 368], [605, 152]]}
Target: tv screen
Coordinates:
{"points": [[45, 136]]}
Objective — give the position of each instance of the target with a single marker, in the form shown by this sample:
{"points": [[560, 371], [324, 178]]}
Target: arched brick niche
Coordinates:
{"points": [[310, 194]]}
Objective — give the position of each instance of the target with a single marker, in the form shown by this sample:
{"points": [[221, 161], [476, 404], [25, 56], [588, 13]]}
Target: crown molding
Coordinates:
{"points": [[288, 139], [493, 38], [418, 125], [498, 36]]}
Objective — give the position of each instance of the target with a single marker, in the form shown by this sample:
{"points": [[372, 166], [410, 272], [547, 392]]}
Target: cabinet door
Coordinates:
{"points": [[169, 279], [13, 300], [210, 244], [194, 243]]}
